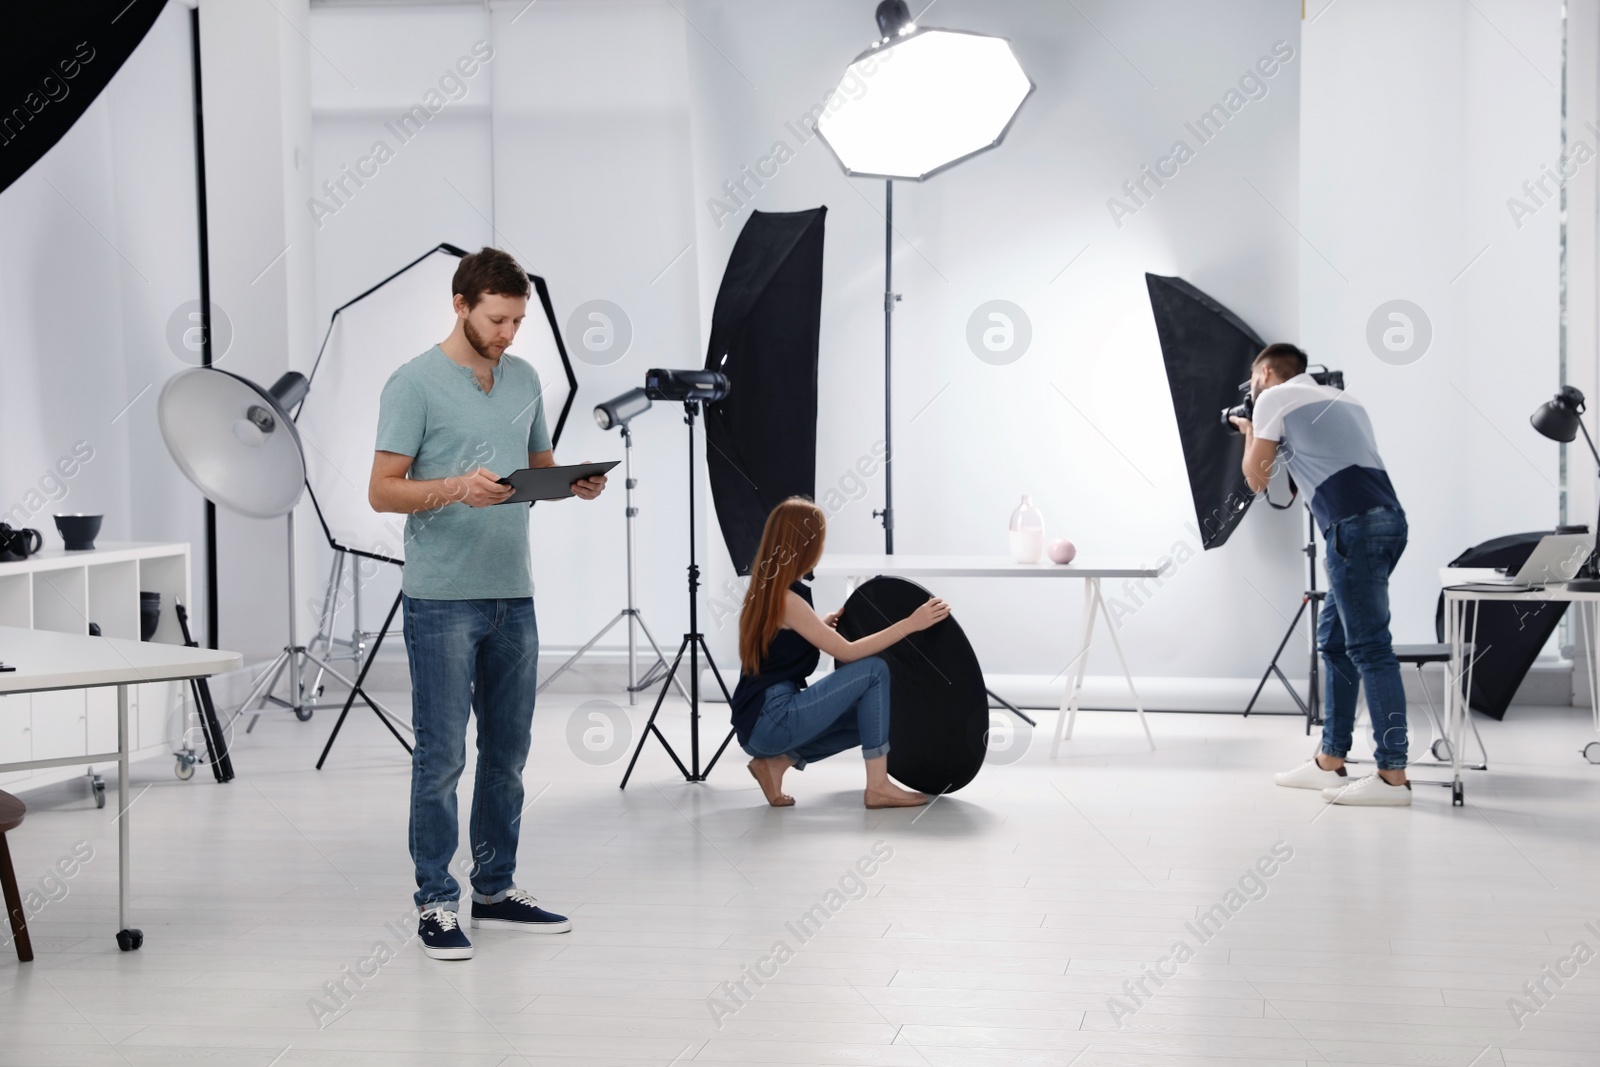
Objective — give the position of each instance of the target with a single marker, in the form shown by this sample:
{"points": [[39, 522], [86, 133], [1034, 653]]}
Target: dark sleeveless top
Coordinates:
{"points": [[790, 658]]}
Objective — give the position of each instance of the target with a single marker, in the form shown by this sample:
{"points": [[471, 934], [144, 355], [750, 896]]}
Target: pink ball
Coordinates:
{"points": [[1062, 551]]}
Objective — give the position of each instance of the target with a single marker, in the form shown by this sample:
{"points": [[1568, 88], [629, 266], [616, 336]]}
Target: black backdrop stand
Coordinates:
{"points": [[694, 643], [1311, 607], [357, 691]]}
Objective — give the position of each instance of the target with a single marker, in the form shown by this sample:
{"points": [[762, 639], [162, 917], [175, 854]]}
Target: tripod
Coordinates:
{"points": [[385, 716], [302, 698], [1310, 608], [694, 643], [631, 612], [333, 647]]}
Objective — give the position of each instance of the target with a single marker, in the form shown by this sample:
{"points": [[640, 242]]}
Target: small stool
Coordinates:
{"points": [[11, 812], [1417, 655]]}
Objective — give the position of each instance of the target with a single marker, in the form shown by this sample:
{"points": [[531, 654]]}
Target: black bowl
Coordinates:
{"points": [[149, 615], [79, 531]]}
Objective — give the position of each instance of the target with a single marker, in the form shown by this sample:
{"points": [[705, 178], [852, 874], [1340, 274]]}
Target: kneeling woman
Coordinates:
{"points": [[780, 721]]}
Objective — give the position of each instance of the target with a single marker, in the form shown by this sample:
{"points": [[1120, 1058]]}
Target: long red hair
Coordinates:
{"points": [[791, 545]]}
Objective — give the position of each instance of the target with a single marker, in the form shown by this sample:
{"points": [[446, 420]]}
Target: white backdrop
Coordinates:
{"points": [[1082, 421], [593, 142]]}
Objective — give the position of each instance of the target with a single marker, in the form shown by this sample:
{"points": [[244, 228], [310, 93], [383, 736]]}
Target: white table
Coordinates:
{"points": [[46, 660], [856, 568], [1460, 636]]}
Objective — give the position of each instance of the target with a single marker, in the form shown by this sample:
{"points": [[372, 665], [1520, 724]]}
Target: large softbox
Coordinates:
{"points": [[1208, 351], [763, 436], [370, 336], [57, 59]]}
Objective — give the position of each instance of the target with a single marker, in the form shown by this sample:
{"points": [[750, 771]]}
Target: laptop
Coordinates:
{"points": [[1554, 560]]}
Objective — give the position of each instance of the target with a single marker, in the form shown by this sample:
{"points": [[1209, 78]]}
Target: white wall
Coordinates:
{"points": [[970, 437], [255, 69], [1420, 120], [1386, 147], [575, 159], [101, 249]]}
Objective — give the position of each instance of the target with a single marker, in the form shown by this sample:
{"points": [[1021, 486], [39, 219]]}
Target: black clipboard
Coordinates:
{"points": [[550, 483]]}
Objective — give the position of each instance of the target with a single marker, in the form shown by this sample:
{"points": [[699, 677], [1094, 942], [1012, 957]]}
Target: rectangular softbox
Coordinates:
{"points": [[762, 438], [1207, 350]]}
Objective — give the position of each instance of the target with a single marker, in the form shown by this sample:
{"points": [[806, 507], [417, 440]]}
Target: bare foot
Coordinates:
{"points": [[768, 774], [892, 796]]}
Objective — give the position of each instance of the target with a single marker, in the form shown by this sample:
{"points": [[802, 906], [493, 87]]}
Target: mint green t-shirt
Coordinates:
{"points": [[433, 410]]}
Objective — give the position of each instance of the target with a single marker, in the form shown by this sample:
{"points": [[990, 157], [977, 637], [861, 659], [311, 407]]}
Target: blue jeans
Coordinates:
{"points": [[1353, 634], [480, 656], [846, 708]]}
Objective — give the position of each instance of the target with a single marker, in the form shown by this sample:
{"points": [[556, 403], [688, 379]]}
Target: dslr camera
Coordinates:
{"points": [[1246, 407]]}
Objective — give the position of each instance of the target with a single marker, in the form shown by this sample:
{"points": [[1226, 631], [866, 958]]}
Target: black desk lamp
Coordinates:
{"points": [[1560, 420]]}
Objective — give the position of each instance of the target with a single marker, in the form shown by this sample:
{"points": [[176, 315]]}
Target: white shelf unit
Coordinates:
{"points": [[66, 591]]}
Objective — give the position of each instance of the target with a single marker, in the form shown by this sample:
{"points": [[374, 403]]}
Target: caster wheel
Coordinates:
{"points": [[1441, 750], [1591, 752], [184, 769], [1458, 795], [129, 940], [303, 714], [99, 787]]}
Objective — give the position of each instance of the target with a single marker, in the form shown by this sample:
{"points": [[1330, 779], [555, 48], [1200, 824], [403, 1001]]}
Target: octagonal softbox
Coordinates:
{"points": [[370, 336], [922, 103], [938, 707]]}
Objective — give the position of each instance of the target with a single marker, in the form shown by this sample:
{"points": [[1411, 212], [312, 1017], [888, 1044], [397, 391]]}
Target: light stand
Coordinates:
{"points": [[694, 643], [388, 718], [890, 298], [328, 618], [236, 442], [631, 612], [1310, 607], [302, 699], [947, 95]]}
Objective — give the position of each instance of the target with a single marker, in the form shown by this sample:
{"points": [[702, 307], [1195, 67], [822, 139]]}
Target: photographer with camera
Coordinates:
{"points": [[1332, 455]]}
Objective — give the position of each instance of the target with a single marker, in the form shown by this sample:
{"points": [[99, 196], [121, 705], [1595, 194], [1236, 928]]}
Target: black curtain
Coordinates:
{"points": [[1208, 350], [1509, 635], [762, 439], [57, 58]]}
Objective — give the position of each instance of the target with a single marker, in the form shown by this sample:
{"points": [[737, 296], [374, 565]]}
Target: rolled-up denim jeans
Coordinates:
{"points": [[1353, 634], [845, 708], [482, 657]]}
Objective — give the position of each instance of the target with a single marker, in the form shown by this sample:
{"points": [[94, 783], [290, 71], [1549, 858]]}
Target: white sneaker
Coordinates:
{"points": [[1309, 776], [1370, 792]]}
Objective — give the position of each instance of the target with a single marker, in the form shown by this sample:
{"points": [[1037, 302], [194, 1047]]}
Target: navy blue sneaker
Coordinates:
{"points": [[519, 911], [441, 935]]}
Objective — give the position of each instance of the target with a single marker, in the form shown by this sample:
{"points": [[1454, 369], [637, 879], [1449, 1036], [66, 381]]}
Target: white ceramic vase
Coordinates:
{"points": [[1027, 532]]}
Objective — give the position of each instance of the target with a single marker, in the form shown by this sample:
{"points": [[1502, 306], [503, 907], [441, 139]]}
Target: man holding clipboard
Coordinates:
{"points": [[452, 424]]}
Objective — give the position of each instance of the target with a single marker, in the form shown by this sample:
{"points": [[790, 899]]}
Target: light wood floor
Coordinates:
{"points": [[1005, 919]]}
